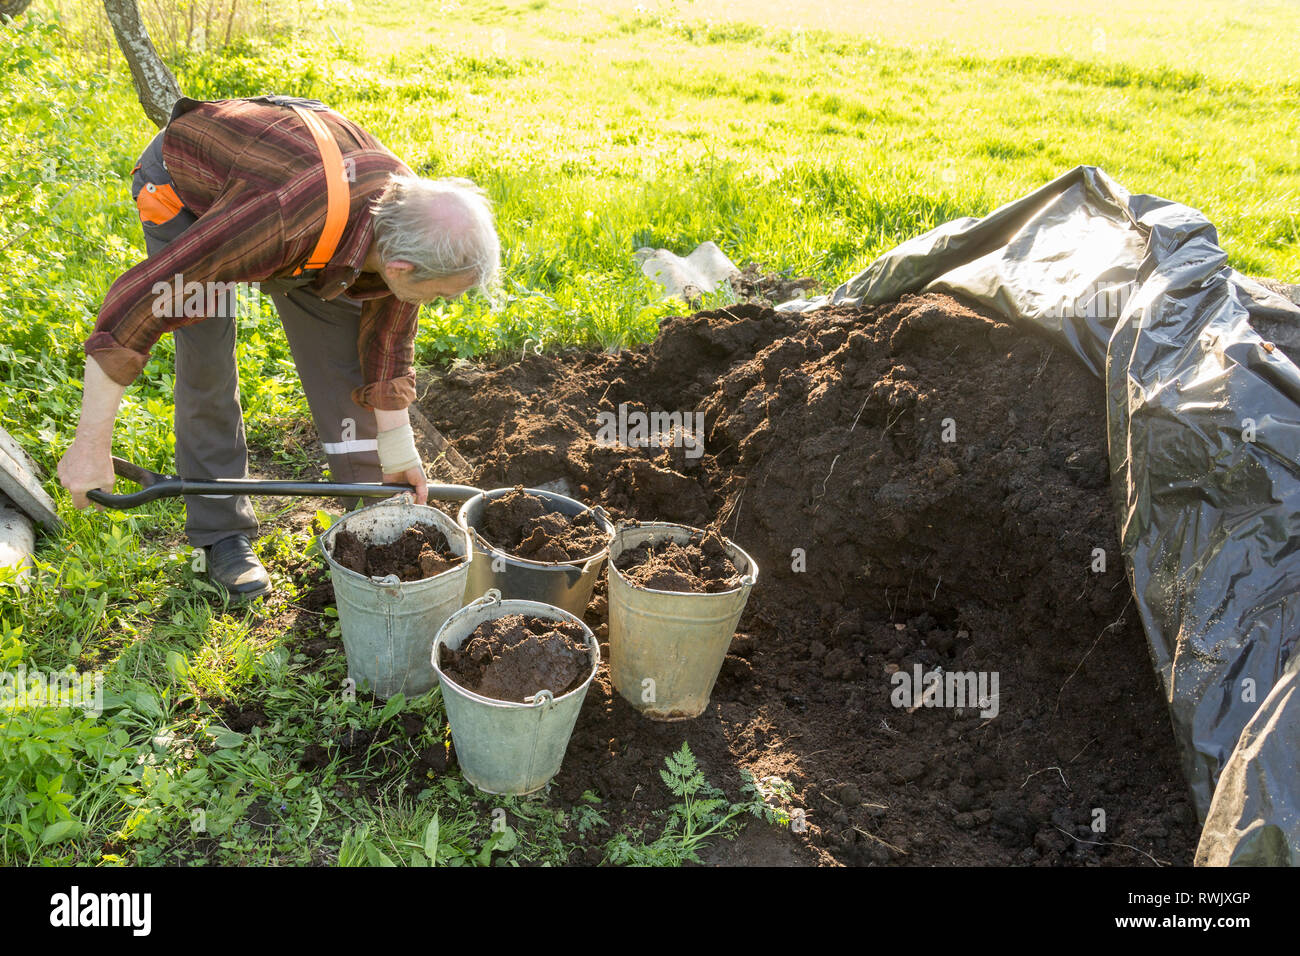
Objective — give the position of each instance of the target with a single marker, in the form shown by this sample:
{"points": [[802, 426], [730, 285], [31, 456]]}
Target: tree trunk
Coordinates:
{"points": [[154, 83], [13, 7]]}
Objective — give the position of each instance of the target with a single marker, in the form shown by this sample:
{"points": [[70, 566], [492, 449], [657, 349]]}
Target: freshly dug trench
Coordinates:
{"points": [[421, 552], [699, 566], [526, 526], [513, 657], [922, 483]]}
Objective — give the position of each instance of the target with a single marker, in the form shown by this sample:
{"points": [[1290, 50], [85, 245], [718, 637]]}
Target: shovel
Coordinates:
{"points": [[154, 486]]}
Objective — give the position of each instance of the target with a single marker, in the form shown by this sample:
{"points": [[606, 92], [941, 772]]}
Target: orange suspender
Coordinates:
{"points": [[336, 191], [158, 204]]}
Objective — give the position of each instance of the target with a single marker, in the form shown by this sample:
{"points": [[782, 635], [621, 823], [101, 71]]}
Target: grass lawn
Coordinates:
{"points": [[802, 136]]}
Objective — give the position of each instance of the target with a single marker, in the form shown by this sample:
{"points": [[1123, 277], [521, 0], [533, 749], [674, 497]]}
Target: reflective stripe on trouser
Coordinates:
{"points": [[209, 423], [323, 339]]}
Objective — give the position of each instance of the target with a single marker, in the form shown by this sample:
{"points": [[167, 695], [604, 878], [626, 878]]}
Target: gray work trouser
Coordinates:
{"points": [[209, 422]]}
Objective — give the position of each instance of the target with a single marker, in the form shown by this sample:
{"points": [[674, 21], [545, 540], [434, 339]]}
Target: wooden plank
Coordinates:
{"points": [[19, 481], [9, 446]]}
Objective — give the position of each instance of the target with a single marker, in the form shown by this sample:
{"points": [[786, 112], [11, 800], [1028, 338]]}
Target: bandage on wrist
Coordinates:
{"points": [[397, 452]]}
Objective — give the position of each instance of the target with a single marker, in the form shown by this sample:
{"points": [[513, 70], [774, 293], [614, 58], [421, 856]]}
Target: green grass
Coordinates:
{"points": [[797, 136]]}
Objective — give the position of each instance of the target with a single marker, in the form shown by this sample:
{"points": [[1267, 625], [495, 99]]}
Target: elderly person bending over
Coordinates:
{"points": [[346, 240]]}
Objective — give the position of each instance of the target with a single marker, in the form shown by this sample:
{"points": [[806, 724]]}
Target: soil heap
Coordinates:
{"points": [[922, 486]]}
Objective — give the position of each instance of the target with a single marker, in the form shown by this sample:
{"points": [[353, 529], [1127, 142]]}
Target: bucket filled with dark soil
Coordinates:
{"points": [[398, 571], [534, 545], [675, 595], [514, 675]]}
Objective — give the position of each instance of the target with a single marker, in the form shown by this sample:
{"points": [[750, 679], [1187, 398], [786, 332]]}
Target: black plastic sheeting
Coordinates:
{"points": [[1203, 423]]}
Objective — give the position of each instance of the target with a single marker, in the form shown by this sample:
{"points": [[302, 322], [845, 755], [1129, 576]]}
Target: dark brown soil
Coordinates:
{"points": [[771, 288], [421, 552], [699, 566], [243, 719], [524, 525], [881, 545], [513, 657]]}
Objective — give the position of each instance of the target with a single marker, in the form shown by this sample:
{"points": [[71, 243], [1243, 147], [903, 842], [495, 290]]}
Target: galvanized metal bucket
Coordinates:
{"points": [[388, 624], [666, 647], [502, 746], [564, 584]]}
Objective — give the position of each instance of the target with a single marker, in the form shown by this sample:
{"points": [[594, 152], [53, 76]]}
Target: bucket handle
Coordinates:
{"points": [[490, 596], [543, 699], [389, 582], [481, 542]]}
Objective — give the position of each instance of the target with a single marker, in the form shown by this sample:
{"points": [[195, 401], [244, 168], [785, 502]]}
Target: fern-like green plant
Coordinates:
{"points": [[701, 813]]}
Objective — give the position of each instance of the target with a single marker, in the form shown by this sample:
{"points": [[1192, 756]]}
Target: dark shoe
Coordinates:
{"points": [[233, 565]]}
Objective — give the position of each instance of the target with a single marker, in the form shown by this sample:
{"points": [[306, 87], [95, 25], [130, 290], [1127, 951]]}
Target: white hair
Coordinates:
{"points": [[443, 227]]}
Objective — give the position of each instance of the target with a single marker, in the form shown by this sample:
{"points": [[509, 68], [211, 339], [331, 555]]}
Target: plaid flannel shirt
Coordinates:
{"points": [[253, 176]]}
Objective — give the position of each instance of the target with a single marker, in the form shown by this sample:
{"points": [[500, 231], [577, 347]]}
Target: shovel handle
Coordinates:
{"points": [[174, 487]]}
